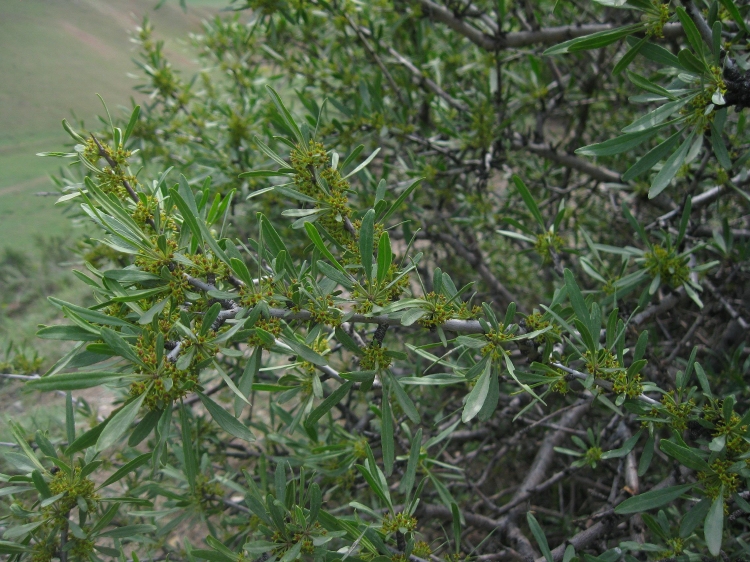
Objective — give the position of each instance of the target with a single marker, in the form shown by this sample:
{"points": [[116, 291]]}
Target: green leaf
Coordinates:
{"points": [[128, 531], [120, 422], [691, 63], [624, 450], [703, 380], [264, 174], [21, 530], [66, 333], [541, 538], [657, 116], [478, 394], [120, 346], [226, 421], [653, 156], [406, 403], [529, 200], [305, 352], [385, 256], [720, 149], [671, 166], [713, 526], [7, 547], [270, 153], [407, 483], [652, 499], [77, 381], [144, 427], [657, 54], [691, 32], [363, 164], [693, 518], [152, 312], [386, 433], [366, 240], [131, 124], [352, 155], [731, 7], [188, 451], [456, 526], [401, 198], [126, 469], [629, 56], [314, 235], [285, 115], [619, 144], [646, 84], [684, 455], [595, 40], [576, 298], [324, 407]]}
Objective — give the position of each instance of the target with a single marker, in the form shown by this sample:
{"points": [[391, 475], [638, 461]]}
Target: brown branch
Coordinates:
{"points": [[426, 82], [547, 36], [375, 56], [112, 164], [599, 173], [476, 260], [700, 23]]}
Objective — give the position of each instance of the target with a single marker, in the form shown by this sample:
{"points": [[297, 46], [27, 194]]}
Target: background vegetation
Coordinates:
{"points": [[377, 266]]}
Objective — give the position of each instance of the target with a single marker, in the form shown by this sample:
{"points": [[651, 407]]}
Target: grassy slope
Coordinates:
{"points": [[57, 54]]}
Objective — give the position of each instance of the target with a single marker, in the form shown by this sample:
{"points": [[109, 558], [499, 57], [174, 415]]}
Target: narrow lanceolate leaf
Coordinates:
{"points": [[541, 538], [652, 499], [407, 484], [131, 123], [226, 421], [619, 144], [478, 394], [120, 423], [595, 40], [334, 398], [120, 346], [668, 172], [529, 200], [629, 56], [314, 235], [77, 381], [691, 31], [576, 298], [646, 84], [366, 240], [385, 256], [126, 469], [285, 115], [653, 156], [386, 435], [713, 526]]}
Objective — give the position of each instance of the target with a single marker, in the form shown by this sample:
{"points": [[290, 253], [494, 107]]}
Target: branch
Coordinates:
{"points": [[547, 36], [112, 164], [668, 302], [600, 382], [426, 82], [700, 23], [705, 198], [725, 303], [476, 260], [375, 56], [445, 16], [599, 173]]}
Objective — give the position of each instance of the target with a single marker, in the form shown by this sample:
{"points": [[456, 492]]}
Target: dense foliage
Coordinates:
{"points": [[410, 280]]}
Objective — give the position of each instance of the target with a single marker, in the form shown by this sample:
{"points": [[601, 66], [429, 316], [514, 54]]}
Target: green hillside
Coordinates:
{"points": [[57, 55]]}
